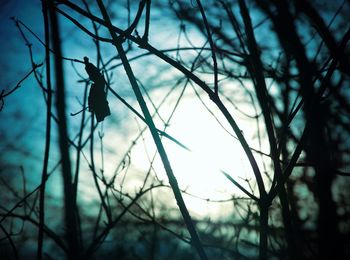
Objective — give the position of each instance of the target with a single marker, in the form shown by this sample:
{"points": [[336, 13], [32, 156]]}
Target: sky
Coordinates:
{"points": [[23, 117], [212, 145], [14, 64]]}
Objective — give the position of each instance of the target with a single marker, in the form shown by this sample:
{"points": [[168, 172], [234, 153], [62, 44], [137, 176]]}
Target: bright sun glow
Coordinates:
{"points": [[212, 149]]}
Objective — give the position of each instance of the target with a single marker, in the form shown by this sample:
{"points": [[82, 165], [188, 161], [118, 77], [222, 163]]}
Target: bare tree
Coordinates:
{"points": [[281, 66]]}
